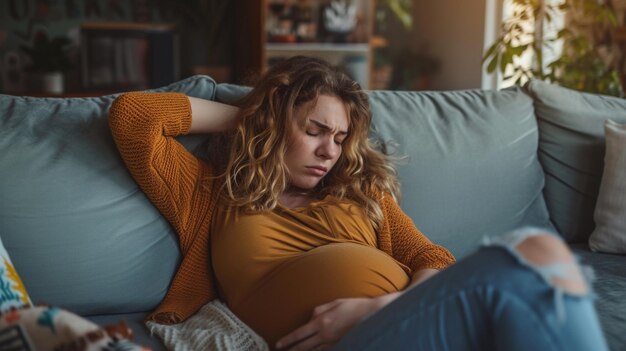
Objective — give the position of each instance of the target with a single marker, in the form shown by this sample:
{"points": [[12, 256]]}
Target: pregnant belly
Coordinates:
{"points": [[284, 299]]}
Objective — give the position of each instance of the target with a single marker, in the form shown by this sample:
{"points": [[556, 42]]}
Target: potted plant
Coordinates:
{"points": [[590, 57], [401, 9], [48, 60]]}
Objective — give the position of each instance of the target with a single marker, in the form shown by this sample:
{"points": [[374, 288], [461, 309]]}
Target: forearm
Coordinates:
{"points": [[211, 116], [418, 277]]}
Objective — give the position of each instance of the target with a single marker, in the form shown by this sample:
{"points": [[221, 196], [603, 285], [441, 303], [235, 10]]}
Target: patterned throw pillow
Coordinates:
{"points": [[12, 291], [25, 327], [51, 328]]}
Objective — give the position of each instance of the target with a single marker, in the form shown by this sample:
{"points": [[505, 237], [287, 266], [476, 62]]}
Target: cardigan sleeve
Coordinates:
{"points": [[407, 243], [181, 187], [144, 127]]}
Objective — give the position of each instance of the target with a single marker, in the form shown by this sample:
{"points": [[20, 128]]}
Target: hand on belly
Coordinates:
{"points": [[284, 299]]}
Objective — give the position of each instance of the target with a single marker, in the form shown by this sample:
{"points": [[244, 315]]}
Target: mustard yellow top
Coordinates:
{"points": [[273, 268], [144, 127]]}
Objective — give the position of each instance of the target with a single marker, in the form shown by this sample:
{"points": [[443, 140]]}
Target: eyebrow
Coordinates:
{"points": [[326, 127]]}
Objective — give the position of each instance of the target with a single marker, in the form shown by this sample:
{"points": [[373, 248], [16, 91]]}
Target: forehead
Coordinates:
{"points": [[328, 110]]}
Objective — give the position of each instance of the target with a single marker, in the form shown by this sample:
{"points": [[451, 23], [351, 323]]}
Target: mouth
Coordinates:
{"points": [[318, 170]]}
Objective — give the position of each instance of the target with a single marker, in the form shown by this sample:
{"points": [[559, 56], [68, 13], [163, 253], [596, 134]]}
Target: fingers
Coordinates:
{"points": [[305, 331], [312, 343], [325, 307], [308, 336]]}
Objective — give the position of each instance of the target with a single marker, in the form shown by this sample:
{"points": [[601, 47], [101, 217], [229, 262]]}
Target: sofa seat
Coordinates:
{"points": [[609, 287]]}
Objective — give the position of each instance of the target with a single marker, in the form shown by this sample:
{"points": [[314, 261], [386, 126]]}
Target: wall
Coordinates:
{"points": [[454, 32]]}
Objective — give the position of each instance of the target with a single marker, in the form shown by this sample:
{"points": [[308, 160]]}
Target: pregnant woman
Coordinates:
{"points": [[294, 223]]}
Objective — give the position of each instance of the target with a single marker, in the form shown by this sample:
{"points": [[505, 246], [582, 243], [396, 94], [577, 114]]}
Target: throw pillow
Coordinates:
{"points": [[571, 149], [51, 328], [12, 291], [610, 213]]}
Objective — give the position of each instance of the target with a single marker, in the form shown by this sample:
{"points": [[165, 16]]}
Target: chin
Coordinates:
{"points": [[306, 185]]}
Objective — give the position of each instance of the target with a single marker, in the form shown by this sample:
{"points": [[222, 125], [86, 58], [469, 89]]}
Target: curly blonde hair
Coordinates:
{"points": [[254, 170]]}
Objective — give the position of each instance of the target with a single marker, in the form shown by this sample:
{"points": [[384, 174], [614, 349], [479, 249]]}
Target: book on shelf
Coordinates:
{"points": [[128, 57]]}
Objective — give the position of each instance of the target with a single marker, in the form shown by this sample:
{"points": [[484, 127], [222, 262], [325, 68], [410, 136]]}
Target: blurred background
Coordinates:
{"points": [[96, 47]]}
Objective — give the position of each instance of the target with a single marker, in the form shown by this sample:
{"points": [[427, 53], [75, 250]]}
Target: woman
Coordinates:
{"points": [[294, 224]]}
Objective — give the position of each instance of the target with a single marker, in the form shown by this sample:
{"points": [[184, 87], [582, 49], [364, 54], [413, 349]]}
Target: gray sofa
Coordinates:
{"points": [[477, 163]]}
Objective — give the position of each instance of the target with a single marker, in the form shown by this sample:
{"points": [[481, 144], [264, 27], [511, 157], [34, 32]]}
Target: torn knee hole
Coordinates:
{"points": [[553, 260]]}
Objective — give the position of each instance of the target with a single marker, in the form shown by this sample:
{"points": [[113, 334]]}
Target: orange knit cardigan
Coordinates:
{"points": [[144, 127]]}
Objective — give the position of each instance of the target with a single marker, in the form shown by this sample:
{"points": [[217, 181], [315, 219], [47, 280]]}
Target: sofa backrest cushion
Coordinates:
{"points": [[81, 233], [571, 151], [470, 165], [471, 168]]}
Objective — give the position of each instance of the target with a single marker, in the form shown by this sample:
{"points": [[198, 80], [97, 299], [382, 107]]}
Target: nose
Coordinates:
{"points": [[328, 149]]}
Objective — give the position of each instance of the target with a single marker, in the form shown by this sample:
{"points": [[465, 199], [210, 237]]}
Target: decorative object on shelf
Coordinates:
{"points": [[49, 60], [340, 19], [280, 23], [590, 57], [305, 24]]}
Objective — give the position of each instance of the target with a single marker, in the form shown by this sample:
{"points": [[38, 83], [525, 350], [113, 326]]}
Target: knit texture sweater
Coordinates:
{"points": [[183, 189]]}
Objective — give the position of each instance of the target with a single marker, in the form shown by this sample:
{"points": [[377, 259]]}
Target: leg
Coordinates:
{"points": [[522, 292]]}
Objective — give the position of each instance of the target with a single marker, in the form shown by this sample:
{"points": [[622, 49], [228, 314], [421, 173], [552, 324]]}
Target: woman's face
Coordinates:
{"points": [[315, 140]]}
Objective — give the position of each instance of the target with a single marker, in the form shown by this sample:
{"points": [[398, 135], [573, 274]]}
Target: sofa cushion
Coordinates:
{"points": [[82, 233], [571, 151], [609, 286], [610, 213], [471, 165]]}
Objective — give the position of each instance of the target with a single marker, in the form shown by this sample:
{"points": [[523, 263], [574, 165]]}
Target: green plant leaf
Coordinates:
{"points": [[564, 33], [492, 64], [519, 50], [402, 10], [611, 17], [490, 51], [506, 59]]}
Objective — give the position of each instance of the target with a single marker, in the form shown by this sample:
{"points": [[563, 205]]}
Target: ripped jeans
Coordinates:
{"points": [[495, 299]]}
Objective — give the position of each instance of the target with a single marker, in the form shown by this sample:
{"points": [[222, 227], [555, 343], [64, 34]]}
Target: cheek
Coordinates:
{"points": [[296, 150]]}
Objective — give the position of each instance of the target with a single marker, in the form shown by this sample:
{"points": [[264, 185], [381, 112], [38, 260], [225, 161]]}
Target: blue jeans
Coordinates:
{"points": [[491, 300]]}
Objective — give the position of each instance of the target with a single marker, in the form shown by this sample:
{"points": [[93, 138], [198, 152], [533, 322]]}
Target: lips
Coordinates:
{"points": [[319, 171]]}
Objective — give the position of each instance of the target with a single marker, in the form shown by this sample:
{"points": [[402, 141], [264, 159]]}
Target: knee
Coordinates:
{"points": [[547, 252], [545, 249]]}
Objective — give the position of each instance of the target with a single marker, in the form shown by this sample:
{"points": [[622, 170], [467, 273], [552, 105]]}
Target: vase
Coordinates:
{"points": [[52, 82]]}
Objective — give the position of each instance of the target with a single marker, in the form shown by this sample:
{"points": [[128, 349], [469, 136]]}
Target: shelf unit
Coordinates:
{"points": [[128, 56], [356, 58], [255, 52]]}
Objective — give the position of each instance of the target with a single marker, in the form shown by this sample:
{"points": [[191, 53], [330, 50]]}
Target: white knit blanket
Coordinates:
{"points": [[213, 327]]}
